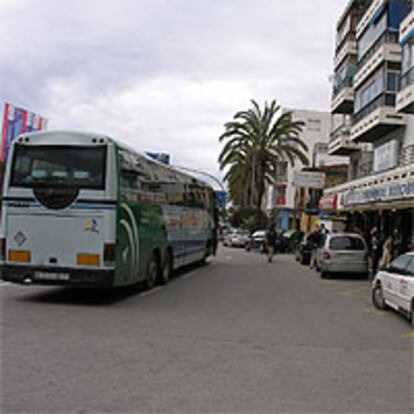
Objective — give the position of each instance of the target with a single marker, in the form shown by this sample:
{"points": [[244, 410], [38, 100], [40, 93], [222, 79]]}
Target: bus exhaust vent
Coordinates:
{"points": [[56, 198]]}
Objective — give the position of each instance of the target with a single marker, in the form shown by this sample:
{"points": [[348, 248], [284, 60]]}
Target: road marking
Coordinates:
{"points": [[5, 284], [151, 292], [356, 293], [409, 335], [375, 311]]}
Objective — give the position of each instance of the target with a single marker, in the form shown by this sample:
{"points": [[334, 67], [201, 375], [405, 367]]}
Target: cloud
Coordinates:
{"points": [[164, 75]]}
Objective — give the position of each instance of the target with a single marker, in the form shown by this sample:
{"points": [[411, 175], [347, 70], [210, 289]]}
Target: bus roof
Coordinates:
{"points": [[82, 138]]}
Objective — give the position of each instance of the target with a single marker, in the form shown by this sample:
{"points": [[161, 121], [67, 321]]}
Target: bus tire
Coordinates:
{"points": [[166, 270], [152, 273]]}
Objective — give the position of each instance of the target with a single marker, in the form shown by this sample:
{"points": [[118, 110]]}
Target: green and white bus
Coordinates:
{"points": [[85, 210]]}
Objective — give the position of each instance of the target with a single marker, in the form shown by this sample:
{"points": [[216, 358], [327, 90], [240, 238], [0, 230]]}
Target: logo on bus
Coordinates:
{"points": [[91, 225]]}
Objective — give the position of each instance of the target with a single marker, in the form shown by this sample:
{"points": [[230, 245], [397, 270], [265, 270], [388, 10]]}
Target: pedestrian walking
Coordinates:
{"points": [[271, 237], [375, 249]]}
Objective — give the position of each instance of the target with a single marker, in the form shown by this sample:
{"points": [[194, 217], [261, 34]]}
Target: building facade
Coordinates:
{"points": [[372, 92], [280, 200]]}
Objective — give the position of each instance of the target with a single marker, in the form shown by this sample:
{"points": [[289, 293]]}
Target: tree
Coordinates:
{"points": [[256, 140]]}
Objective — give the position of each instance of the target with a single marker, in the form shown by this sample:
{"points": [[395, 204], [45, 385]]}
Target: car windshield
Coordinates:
{"points": [[400, 264], [59, 166], [242, 233], [346, 243]]}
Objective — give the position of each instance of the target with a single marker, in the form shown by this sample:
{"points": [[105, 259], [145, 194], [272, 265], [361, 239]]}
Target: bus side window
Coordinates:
{"points": [[174, 192], [129, 180]]}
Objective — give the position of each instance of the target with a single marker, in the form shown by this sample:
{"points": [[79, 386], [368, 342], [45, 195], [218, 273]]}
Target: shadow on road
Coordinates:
{"points": [[94, 296]]}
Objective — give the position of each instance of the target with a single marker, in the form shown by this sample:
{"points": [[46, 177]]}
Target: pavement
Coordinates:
{"points": [[236, 336]]}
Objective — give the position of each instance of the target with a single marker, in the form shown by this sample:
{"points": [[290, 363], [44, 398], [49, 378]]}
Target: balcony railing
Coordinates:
{"points": [[406, 80], [385, 99], [387, 37], [346, 82], [343, 130], [365, 169]]}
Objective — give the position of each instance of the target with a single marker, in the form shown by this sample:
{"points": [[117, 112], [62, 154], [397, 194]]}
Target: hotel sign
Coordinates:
{"points": [[397, 191]]}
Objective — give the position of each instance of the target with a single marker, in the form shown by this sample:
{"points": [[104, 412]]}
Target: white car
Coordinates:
{"points": [[393, 287], [342, 253], [236, 238]]}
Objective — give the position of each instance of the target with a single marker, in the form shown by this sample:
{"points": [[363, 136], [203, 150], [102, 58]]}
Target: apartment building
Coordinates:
{"points": [[280, 200], [373, 93]]}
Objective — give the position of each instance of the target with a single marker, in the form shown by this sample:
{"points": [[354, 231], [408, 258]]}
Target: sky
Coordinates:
{"points": [[164, 75]]}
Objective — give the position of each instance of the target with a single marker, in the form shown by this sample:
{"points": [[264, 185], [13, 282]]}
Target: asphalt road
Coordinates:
{"points": [[238, 335]]}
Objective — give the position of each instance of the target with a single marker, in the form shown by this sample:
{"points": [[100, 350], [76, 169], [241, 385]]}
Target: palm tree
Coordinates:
{"points": [[256, 140]]}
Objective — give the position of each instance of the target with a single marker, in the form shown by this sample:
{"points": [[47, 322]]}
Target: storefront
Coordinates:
{"points": [[387, 205]]}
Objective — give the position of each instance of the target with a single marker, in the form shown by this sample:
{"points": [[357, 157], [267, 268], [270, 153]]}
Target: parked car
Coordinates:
{"points": [[291, 239], [236, 238], [257, 241], [303, 250], [342, 253], [393, 286]]}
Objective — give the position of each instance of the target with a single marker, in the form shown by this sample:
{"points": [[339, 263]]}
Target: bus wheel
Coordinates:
{"points": [[166, 270], [152, 273]]}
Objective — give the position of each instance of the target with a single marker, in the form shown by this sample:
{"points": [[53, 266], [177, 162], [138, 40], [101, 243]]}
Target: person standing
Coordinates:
{"points": [[387, 253], [271, 242]]}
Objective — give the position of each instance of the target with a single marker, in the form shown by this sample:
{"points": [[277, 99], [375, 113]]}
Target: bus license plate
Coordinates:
{"points": [[51, 276]]}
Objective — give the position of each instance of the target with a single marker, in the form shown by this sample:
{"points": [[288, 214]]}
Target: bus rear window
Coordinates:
{"points": [[59, 166]]}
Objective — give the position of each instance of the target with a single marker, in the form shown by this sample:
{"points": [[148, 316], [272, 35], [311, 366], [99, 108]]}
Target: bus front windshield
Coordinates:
{"points": [[59, 166]]}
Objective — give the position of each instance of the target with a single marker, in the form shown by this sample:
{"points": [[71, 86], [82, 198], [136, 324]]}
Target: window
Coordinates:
{"points": [[346, 243], [59, 166], [129, 180], [371, 35], [371, 91], [399, 265], [407, 57], [410, 267], [314, 125]]}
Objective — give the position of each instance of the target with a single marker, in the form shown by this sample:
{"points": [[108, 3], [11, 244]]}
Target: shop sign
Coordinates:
{"points": [[309, 179], [386, 156], [398, 191], [328, 202]]}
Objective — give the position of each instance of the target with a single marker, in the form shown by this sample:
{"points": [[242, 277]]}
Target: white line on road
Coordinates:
{"points": [[188, 275], [151, 292]]}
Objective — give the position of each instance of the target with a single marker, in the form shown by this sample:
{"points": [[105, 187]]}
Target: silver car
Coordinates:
{"points": [[342, 253]]}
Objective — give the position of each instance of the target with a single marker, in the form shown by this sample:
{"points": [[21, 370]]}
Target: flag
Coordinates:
{"points": [[17, 121]]}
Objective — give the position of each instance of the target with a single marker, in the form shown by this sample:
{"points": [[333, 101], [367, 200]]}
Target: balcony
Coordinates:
{"points": [[386, 49], [340, 142], [376, 119], [405, 96], [406, 28], [368, 15], [349, 48], [343, 97]]}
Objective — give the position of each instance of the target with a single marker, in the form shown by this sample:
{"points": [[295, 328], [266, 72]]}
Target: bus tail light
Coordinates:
{"points": [[2, 249], [19, 256], [86, 259], [109, 254]]}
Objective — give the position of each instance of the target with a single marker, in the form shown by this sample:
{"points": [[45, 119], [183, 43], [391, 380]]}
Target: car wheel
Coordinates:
{"points": [[324, 274], [166, 270], [412, 314], [378, 298], [301, 260]]}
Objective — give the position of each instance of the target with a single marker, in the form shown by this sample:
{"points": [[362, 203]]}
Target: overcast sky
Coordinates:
{"points": [[164, 75]]}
